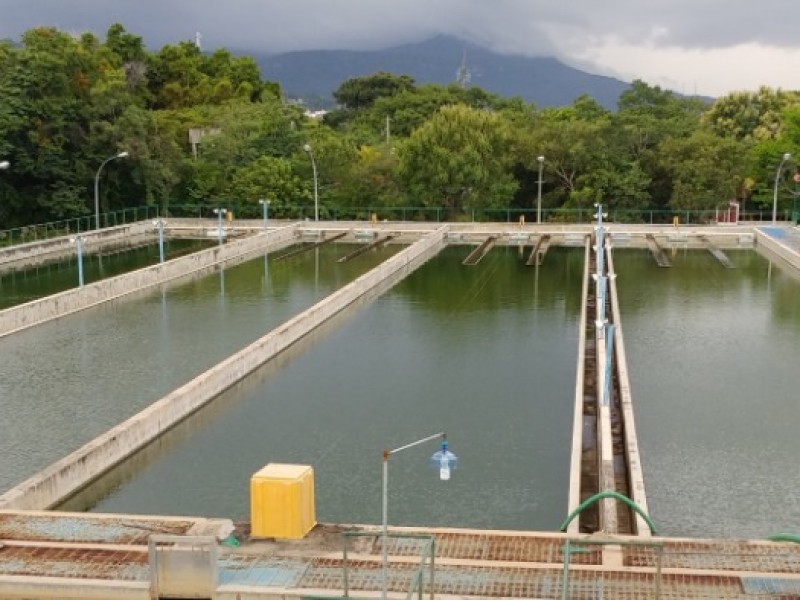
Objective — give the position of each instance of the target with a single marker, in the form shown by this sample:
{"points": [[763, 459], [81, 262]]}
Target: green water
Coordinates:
{"points": [[32, 283], [485, 353], [712, 356], [68, 380]]}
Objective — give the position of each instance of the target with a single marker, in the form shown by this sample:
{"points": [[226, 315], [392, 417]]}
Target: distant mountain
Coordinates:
{"points": [[315, 74]]}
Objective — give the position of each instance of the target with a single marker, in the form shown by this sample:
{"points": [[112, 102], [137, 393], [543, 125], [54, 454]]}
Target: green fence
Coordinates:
{"points": [[252, 210], [53, 229]]}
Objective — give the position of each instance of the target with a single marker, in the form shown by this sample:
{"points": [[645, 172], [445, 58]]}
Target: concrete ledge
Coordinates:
{"points": [[68, 475], [577, 423], [39, 311], [61, 246], [633, 458], [780, 250], [70, 588]]}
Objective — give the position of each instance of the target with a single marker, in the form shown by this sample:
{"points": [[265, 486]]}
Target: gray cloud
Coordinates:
{"points": [[562, 28]]}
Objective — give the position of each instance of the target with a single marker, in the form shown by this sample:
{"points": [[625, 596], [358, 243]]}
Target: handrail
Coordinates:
{"points": [[608, 494], [785, 537]]}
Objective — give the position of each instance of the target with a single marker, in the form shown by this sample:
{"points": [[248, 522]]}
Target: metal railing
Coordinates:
{"points": [[252, 210], [54, 229], [417, 579]]}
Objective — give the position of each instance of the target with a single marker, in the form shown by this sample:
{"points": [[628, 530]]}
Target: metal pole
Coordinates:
{"points": [[307, 148], [79, 247], [265, 211], [786, 157], [539, 194], [385, 499], [97, 187], [160, 241], [219, 212], [385, 536]]}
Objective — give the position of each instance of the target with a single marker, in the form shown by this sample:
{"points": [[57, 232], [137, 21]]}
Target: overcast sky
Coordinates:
{"points": [[709, 47]]}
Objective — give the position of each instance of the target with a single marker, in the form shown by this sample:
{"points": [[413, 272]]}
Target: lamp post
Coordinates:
{"points": [[307, 148], [265, 205], [442, 459], [539, 193], [4, 164], [786, 157], [219, 212], [78, 241], [97, 187], [159, 224]]}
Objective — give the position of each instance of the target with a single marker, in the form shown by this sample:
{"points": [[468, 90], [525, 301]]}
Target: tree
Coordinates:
{"points": [[705, 169], [750, 115], [359, 93], [459, 157]]}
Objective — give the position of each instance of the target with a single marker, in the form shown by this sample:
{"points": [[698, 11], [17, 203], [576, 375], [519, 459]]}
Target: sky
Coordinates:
{"points": [[706, 47]]}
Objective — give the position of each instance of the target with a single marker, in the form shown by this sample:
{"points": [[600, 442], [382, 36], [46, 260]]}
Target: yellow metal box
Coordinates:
{"points": [[282, 501]]}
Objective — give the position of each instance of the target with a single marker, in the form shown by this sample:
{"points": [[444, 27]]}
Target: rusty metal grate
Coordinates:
{"points": [[728, 555], [82, 563], [492, 547], [78, 529]]}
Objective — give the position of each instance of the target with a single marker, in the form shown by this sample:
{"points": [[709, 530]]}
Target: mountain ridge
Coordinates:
{"points": [[313, 75]]}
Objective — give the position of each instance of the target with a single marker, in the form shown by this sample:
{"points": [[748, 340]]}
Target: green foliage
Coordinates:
{"points": [[457, 159], [69, 103]]}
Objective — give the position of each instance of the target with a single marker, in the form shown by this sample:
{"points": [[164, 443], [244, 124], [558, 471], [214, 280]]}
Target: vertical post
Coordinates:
{"points": [[219, 212], [785, 158], [79, 248], [160, 241], [265, 206], [97, 187], [385, 525], [307, 148], [539, 193]]}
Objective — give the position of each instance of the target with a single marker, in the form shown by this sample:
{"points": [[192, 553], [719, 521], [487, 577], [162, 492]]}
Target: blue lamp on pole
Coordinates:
{"points": [[220, 212], [159, 224], [78, 241], [443, 460], [265, 205]]}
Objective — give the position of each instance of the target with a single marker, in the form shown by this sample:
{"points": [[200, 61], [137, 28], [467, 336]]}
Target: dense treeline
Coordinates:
{"points": [[68, 103]]}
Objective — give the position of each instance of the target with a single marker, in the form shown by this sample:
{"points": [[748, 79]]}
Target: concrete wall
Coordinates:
{"points": [[576, 460], [71, 473], [632, 456], [35, 252], [36, 312], [775, 247]]}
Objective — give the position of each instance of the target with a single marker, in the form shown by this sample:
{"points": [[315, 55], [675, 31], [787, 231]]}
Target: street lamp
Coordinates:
{"points": [[97, 187], [539, 194], [4, 164], [219, 212], [265, 205], [307, 148], [442, 459], [159, 224], [786, 157], [78, 241]]}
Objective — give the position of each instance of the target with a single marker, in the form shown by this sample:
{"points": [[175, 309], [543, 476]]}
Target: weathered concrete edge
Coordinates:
{"points": [[633, 458], [62, 245], [775, 247], [577, 423], [33, 313], [69, 474]]}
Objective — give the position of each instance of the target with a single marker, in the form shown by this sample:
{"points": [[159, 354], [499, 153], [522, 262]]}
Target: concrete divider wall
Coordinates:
{"points": [[576, 460], [71, 473], [63, 246], [778, 249], [33, 313], [632, 458]]}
